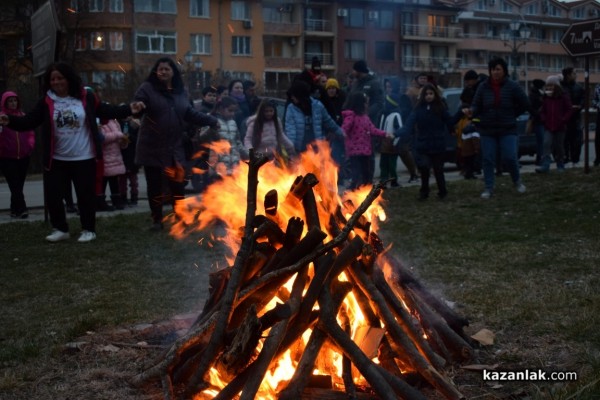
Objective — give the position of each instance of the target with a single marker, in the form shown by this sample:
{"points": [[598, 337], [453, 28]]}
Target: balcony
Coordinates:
{"points": [[284, 63], [435, 33], [316, 26], [326, 58], [435, 64], [282, 28]]}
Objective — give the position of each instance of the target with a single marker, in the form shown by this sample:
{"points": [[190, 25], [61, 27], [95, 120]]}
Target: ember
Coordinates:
{"points": [[312, 302]]}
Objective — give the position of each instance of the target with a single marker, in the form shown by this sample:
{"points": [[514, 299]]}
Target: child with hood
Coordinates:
{"points": [[15, 153]]}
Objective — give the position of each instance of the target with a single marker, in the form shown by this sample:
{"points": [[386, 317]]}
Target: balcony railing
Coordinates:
{"points": [[431, 31], [318, 25], [437, 64], [325, 58]]}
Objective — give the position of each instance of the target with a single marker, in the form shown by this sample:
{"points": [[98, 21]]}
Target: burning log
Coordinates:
{"points": [[282, 299]]}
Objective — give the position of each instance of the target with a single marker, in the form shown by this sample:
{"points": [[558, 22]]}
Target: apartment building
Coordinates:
{"points": [[116, 42]]}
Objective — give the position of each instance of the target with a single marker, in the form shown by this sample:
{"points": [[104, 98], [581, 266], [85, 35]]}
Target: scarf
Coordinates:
{"points": [[496, 85]]}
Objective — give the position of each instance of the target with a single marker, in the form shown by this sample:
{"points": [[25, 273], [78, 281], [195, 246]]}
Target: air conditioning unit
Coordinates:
{"points": [[342, 12], [247, 24], [373, 15]]}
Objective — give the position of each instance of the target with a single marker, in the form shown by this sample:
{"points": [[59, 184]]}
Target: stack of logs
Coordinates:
{"points": [[414, 345]]}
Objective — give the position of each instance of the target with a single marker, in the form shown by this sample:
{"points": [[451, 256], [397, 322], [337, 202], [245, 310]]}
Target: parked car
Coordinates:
{"points": [[527, 144]]}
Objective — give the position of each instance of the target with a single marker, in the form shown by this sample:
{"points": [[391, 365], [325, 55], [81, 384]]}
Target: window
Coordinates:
{"points": [[276, 15], [386, 19], [506, 7], [481, 5], [155, 6], [73, 6], [385, 51], [156, 42], [97, 41], [554, 11], [532, 9], [116, 6], [355, 18], [272, 47], [96, 5], [115, 41], [109, 79], [555, 36], [438, 25], [240, 10], [579, 13], [240, 45], [199, 8], [354, 49], [200, 43], [81, 40], [409, 55]]}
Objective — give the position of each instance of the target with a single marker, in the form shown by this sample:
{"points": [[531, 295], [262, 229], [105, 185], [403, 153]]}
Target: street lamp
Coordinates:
{"points": [[515, 37], [190, 61]]}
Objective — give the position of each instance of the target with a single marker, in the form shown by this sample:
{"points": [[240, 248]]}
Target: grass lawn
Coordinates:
{"points": [[523, 266]]}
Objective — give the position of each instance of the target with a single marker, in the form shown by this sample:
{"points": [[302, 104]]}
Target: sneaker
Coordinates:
{"points": [[413, 179], [520, 187], [486, 194], [57, 236], [86, 236]]}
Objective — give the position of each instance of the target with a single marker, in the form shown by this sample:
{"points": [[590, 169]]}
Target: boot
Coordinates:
{"points": [[134, 200], [102, 205], [117, 201]]}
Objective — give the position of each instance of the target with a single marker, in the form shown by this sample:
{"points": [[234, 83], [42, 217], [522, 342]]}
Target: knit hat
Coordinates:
{"points": [[361, 66], [553, 80], [332, 83], [471, 75]]}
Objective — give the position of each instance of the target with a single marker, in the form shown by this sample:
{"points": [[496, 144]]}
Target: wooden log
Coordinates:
{"points": [[271, 202], [402, 276], [419, 363], [242, 348], [306, 364], [367, 368], [401, 388], [233, 285], [349, 386]]}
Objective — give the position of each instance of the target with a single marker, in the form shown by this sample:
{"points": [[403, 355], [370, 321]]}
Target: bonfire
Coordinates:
{"points": [[308, 302]]}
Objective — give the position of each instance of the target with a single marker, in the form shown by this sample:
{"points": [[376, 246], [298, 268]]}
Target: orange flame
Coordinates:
{"points": [[223, 205]]}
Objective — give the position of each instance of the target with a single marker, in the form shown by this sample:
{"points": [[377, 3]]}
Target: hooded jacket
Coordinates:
{"points": [[15, 144]]}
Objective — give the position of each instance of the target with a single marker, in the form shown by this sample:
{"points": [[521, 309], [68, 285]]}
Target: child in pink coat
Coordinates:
{"points": [[114, 167], [358, 130]]}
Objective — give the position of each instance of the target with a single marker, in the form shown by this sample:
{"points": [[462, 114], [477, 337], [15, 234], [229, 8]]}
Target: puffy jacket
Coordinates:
{"points": [[431, 129], [295, 121], [359, 131], [15, 144], [113, 160], [556, 112], [268, 139], [501, 118]]}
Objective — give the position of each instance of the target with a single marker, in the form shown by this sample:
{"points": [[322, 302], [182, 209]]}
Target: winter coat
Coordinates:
{"points": [[556, 112], [359, 131], [499, 119], [42, 114], [432, 129], [167, 113], [15, 144], [268, 143], [113, 137], [321, 121]]}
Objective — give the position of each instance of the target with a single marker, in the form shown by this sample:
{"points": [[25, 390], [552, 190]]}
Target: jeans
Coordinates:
{"points": [[553, 144], [83, 175], [508, 145]]}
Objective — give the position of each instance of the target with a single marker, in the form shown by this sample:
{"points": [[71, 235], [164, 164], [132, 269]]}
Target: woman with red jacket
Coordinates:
{"points": [[15, 151]]}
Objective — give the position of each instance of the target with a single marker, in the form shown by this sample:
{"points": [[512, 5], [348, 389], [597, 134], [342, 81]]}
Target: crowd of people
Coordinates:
{"points": [[90, 144]]}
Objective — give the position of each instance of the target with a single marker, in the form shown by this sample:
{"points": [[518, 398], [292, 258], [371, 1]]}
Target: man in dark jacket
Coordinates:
{"points": [[368, 84], [574, 134], [497, 104]]}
